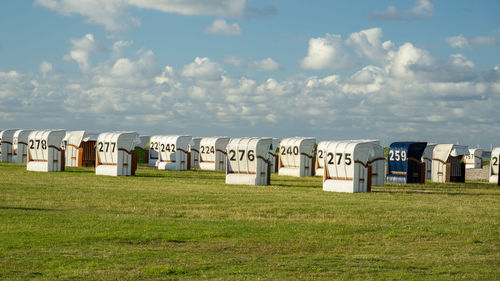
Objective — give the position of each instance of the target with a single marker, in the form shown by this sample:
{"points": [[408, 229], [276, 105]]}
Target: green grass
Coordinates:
{"points": [[190, 225]]}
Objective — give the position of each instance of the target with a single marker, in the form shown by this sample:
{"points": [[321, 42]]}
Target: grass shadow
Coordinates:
{"points": [[178, 176], [25, 208], [80, 171], [296, 185], [433, 192]]}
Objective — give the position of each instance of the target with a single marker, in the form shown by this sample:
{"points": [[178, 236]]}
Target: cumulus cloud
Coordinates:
{"points": [[493, 75], [483, 41], [119, 47], [421, 9], [326, 53], [412, 63], [408, 95], [31, 99], [456, 69], [460, 41], [114, 14], [332, 52], [233, 60], [267, 64], [222, 8], [128, 72], [266, 11], [46, 67], [81, 50], [168, 77], [402, 62], [370, 79], [203, 69], [367, 43], [221, 27]]}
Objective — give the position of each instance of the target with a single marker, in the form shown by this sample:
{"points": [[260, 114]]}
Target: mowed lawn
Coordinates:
{"points": [[190, 225]]}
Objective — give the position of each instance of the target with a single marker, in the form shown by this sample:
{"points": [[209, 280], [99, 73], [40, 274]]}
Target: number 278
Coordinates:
{"points": [[35, 144]]}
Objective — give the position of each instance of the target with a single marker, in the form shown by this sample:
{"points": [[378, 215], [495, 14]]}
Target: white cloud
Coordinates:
{"points": [[391, 13], [483, 41], [367, 43], [114, 14], [267, 64], [221, 27], [46, 67], [412, 63], [459, 60], [388, 45], [460, 41], [198, 93], [411, 93], [272, 87], [368, 80], [326, 53], [168, 77], [456, 69], [126, 72], [421, 9], [32, 99], [402, 62], [9, 80], [122, 44], [222, 8], [233, 60], [203, 69], [119, 46], [122, 67], [81, 50], [265, 11]]}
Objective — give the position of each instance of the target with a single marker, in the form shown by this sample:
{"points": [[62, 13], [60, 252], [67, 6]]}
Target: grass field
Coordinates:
{"points": [[190, 225]]}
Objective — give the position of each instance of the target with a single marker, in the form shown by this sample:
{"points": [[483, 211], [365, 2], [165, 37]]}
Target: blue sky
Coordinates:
{"points": [[390, 70]]}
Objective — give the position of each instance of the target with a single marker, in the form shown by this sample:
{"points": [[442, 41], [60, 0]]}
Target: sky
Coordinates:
{"points": [[422, 70]]}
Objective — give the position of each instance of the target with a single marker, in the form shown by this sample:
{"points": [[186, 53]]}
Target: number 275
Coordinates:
{"points": [[330, 158]]}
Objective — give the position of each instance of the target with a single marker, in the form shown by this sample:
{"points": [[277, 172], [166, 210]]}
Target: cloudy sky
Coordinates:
{"points": [[390, 70]]}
